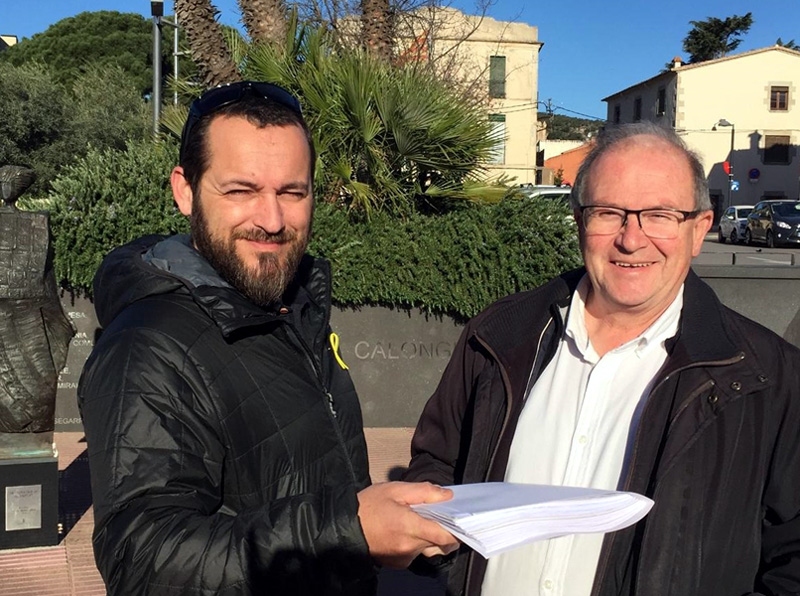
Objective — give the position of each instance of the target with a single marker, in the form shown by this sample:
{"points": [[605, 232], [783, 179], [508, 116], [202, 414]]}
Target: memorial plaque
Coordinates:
{"points": [[29, 490], [23, 507], [80, 311]]}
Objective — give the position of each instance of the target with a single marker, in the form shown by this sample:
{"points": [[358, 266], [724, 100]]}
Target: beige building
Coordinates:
{"points": [[6, 41], [502, 59], [738, 112]]}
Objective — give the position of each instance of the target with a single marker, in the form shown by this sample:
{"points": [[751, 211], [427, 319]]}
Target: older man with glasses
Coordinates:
{"points": [[629, 374], [225, 438]]}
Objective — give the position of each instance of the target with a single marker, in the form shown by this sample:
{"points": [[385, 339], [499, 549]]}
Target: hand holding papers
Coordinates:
{"points": [[494, 517]]}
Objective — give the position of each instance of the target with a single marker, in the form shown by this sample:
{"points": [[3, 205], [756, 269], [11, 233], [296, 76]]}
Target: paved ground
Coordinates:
{"points": [[717, 253], [68, 569]]}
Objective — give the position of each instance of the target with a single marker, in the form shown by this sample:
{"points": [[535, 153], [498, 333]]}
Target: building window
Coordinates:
{"points": [[779, 98], [661, 102], [776, 149], [497, 76], [498, 122], [637, 109], [616, 114]]}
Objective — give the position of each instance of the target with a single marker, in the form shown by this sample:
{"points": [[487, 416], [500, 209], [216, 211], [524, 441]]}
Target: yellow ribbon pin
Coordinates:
{"points": [[334, 339]]}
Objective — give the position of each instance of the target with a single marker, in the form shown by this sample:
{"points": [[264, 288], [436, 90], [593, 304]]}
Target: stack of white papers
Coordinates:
{"points": [[494, 517]]}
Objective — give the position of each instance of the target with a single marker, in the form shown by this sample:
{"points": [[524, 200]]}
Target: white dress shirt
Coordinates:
{"points": [[576, 429]]}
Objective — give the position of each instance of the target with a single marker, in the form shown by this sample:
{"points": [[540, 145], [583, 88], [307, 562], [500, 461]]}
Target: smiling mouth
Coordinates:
{"points": [[631, 265]]}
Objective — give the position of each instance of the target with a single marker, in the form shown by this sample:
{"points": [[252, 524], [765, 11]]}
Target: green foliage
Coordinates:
{"points": [[46, 124], [104, 39], [107, 198], [567, 128], [456, 263], [789, 45], [35, 112], [714, 38], [388, 139]]}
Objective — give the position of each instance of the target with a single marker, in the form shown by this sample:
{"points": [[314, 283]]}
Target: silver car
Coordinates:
{"points": [[557, 193], [733, 223]]}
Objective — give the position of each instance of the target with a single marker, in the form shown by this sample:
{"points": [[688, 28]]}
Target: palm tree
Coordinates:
{"points": [[388, 138], [265, 20], [377, 28], [206, 42]]}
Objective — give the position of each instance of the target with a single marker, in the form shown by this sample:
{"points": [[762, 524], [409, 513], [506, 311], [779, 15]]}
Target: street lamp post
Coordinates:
{"points": [[723, 122], [157, 11]]}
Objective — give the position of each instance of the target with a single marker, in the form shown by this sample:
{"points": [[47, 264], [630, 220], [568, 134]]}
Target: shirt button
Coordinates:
{"points": [[548, 584], [583, 439]]}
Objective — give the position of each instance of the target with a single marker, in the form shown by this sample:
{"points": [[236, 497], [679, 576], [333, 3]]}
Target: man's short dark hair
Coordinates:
{"points": [[259, 111]]}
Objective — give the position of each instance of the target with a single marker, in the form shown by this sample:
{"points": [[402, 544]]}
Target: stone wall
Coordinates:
{"points": [[396, 357]]}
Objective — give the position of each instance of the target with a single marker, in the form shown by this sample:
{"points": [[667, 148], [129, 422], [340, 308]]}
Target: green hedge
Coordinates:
{"points": [[456, 263]]}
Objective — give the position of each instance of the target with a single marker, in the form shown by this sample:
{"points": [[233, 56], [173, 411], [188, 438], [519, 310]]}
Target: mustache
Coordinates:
{"points": [[258, 235]]}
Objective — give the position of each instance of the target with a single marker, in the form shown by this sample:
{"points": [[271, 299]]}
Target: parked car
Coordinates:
{"points": [[774, 222], [733, 223], [558, 193]]}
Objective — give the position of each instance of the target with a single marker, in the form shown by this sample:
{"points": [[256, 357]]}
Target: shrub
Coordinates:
{"points": [[47, 125], [455, 263], [106, 199]]}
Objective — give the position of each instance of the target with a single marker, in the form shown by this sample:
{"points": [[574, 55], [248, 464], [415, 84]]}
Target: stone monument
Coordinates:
{"points": [[34, 339]]}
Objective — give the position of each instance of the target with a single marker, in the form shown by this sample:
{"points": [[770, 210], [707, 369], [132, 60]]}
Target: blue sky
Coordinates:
{"points": [[591, 49]]}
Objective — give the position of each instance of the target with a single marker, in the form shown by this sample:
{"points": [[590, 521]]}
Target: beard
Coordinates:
{"points": [[266, 282]]}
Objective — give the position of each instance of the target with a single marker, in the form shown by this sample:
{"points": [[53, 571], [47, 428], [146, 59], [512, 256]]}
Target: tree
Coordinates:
{"points": [[714, 38], [789, 45], [46, 124], [210, 53], [567, 128], [102, 38], [377, 28], [264, 20]]}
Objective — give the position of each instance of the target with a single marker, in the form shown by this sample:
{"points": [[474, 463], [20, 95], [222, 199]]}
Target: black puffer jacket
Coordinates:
{"points": [[225, 442], [717, 447]]}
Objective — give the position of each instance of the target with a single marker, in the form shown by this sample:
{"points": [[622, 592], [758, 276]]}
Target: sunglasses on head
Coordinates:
{"points": [[225, 95]]}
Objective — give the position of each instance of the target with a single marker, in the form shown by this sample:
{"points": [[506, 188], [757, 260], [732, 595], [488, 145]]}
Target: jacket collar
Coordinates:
{"points": [[511, 330], [128, 274]]}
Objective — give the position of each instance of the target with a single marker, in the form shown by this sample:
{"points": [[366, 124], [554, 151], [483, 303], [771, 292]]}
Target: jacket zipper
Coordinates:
{"points": [[606, 551], [329, 402], [509, 402]]}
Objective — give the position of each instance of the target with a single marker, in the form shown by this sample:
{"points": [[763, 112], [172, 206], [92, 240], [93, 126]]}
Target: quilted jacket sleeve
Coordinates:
{"points": [[156, 458]]}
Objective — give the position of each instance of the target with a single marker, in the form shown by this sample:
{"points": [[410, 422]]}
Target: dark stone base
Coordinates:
{"points": [[28, 502]]}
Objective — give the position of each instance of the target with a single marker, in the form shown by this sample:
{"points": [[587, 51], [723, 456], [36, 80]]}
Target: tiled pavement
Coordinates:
{"points": [[68, 569]]}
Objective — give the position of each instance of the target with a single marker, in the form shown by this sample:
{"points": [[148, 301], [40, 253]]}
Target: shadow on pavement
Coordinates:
{"points": [[74, 493]]}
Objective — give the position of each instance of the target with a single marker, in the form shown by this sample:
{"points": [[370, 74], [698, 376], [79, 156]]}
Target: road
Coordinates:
{"points": [[715, 253]]}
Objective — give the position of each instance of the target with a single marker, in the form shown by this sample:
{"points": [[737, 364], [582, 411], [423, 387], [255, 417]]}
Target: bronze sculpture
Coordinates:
{"points": [[34, 330]]}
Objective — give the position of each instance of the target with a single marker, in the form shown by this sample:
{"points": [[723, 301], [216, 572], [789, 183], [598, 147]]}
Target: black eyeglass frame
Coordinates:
{"points": [[638, 213], [221, 96]]}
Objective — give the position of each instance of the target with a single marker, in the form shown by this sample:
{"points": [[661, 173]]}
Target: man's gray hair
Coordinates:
{"points": [[613, 135]]}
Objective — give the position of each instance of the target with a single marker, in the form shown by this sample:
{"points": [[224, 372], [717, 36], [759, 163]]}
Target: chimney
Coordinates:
{"points": [[677, 62]]}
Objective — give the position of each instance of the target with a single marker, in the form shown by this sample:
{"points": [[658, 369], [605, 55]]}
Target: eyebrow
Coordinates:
{"points": [[294, 185]]}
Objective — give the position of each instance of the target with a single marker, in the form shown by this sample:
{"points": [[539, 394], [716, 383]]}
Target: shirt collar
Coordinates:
{"points": [[662, 329]]}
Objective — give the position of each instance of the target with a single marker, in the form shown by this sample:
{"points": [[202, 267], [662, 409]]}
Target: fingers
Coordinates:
{"points": [[433, 551], [432, 533], [413, 493], [395, 534]]}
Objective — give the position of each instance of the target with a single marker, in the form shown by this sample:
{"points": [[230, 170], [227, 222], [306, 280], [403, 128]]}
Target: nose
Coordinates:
{"points": [[631, 237], [268, 214]]}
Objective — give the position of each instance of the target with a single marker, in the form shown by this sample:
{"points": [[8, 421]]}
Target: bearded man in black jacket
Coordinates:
{"points": [[225, 436], [629, 374]]}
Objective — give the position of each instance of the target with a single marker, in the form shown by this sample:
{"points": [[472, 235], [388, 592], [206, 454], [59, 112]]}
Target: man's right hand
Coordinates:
{"points": [[394, 533]]}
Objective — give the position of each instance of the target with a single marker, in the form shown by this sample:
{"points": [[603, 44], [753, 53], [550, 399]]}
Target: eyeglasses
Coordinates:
{"points": [[225, 95], [662, 224]]}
